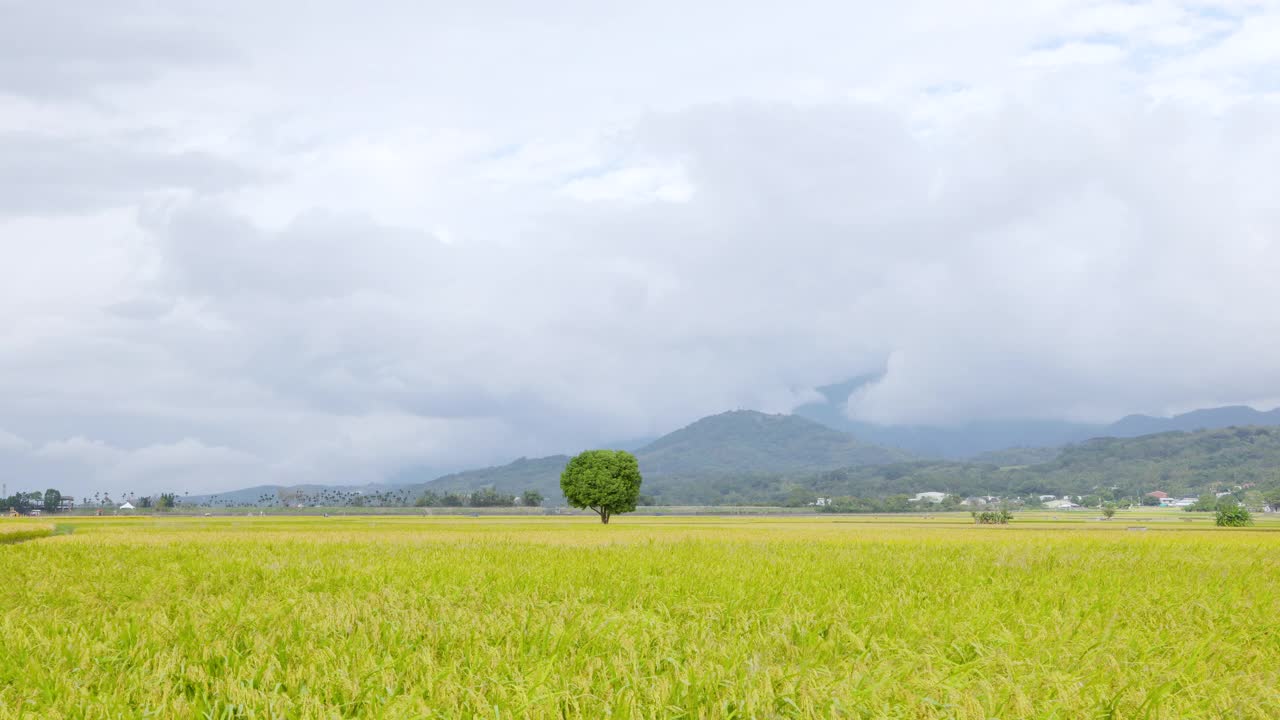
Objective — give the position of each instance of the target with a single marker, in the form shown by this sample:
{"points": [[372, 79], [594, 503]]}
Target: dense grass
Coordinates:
{"points": [[648, 617], [16, 531]]}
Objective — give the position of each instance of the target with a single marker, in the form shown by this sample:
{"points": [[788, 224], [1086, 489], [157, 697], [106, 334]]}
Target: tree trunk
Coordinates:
{"points": [[604, 516]]}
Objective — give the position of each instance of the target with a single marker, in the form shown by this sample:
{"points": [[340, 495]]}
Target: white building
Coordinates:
{"points": [[1061, 505], [933, 497]]}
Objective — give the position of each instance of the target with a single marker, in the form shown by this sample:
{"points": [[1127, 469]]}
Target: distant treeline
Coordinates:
{"points": [[53, 500], [484, 497]]}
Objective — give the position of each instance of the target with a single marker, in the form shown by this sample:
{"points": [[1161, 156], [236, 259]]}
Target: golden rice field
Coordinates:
{"points": [[643, 618]]}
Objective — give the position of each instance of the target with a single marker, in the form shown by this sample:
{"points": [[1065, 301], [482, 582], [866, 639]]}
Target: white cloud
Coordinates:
{"points": [[1076, 54], [633, 184], [12, 443], [490, 231]]}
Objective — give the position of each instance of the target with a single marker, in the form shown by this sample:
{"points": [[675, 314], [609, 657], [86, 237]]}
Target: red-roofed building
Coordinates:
{"points": [[1158, 494]]}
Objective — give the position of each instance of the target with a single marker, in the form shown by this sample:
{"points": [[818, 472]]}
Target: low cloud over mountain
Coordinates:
{"points": [[312, 243]]}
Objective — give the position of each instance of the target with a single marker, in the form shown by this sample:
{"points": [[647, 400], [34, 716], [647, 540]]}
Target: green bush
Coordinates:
{"points": [[999, 517], [1233, 516]]}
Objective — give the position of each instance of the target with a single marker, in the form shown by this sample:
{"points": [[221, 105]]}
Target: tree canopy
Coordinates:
{"points": [[606, 481]]}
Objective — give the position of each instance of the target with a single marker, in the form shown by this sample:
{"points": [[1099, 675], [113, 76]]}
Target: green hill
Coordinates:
{"points": [[747, 441], [734, 444], [541, 474], [1176, 462], [1179, 463]]}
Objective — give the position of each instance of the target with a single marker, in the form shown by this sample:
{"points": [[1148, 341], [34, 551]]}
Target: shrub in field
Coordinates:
{"points": [[607, 481], [992, 517], [1109, 510], [1233, 516]]}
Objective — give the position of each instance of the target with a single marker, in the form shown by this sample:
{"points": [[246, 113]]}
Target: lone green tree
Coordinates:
{"points": [[607, 481]]}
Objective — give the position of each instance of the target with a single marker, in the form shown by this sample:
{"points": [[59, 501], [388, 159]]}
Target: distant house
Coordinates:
{"points": [[979, 500], [1184, 502], [1061, 505], [820, 502], [933, 497], [127, 506], [1158, 494], [1047, 498], [1167, 501]]}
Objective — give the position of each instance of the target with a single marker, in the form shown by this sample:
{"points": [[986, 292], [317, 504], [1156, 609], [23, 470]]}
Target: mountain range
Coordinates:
{"points": [[970, 440], [731, 444], [1177, 462], [751, 457]]}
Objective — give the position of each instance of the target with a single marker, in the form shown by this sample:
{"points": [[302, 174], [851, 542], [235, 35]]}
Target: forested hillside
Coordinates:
{"points": [[745, 441], [733, 446], [1179, 463], [541, 474]]}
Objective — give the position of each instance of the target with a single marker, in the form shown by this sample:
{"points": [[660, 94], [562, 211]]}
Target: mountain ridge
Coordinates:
{"points": [[1177, 462], [733, 442], [973, 439], [747, 449]]}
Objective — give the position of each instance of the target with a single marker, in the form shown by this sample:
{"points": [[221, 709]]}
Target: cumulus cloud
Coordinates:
{"points": [[42, 174], [265, 262], [71, 49], [12, 443]]}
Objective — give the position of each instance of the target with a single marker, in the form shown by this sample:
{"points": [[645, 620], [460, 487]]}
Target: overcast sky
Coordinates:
{"points": [[312, 241]]}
